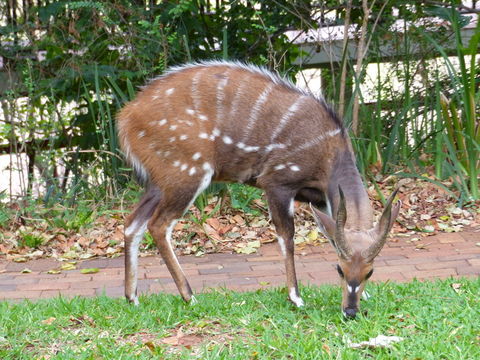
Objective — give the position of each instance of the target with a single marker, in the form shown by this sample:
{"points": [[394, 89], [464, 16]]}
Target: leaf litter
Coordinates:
{"points": [[427, 209]]}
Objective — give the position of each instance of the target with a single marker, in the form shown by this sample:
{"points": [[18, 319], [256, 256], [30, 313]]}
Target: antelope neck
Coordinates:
{"points": [[357, 203]]}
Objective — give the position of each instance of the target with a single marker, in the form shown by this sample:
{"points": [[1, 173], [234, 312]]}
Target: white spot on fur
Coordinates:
{"points": [[167, 153], [251, 148], [279, 167], [141, 134], [281, 242], [270, 147], [227, 140], [241, 145], [216, 132], [172, 139], [159, 153], [203, 135], [173, 127], [184, 167], [190, 111], [196, 156], [294, 168], [176, 163], [169, 91], [183, 137], [203, 117], [192, 171], [155, 97], [162, 122], [297, 300]]}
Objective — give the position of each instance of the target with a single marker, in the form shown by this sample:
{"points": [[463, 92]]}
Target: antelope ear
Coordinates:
{"points": [[325, 224], [388, 217]]}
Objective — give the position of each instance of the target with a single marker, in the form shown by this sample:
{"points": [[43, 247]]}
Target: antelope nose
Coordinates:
{"points": [[350, 313]]}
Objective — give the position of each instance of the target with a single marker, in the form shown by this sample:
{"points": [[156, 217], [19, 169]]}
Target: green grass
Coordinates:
{"points": [[436, 322]]}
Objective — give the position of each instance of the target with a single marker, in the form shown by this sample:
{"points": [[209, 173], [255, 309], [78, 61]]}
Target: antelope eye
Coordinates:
{"points": [[369, 274], [340, 272]]}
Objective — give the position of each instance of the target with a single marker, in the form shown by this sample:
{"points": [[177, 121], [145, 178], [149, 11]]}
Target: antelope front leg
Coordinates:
{"points": [[281, 210]]}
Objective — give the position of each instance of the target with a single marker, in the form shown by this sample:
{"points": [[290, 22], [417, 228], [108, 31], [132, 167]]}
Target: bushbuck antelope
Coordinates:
{"points": [[222, 121]]}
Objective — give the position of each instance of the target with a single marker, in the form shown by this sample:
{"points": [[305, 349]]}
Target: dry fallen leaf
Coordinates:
{"points": [[90, 271], [54, 271], [48, 321], [456, 287], [68, 266], [379, 341]]}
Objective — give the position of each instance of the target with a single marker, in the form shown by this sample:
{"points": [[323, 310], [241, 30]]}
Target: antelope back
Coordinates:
{"points": [[245, 123]]}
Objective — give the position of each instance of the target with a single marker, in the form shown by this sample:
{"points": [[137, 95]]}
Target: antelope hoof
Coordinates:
{"points": [[193, 301], [295, 299], [133, 300]]}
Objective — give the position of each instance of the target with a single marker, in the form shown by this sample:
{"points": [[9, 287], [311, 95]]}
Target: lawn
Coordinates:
{"points": [[437, 320]]}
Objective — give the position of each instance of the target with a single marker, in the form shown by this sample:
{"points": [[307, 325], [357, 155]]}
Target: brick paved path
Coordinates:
{"points": [[444, 255]]}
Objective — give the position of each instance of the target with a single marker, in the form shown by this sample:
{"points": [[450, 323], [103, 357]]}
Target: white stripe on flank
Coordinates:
{"points": [[206, 179], [221, 97], [196, 96], [315, 141], [236, 100], [257, 107], [286, 117]]}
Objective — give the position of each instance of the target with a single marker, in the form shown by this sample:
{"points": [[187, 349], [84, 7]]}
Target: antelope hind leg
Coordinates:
{"points": [[135, 227]]}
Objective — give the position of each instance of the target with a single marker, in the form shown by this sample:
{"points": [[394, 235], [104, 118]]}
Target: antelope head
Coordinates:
{"points": [[356, 249]]}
